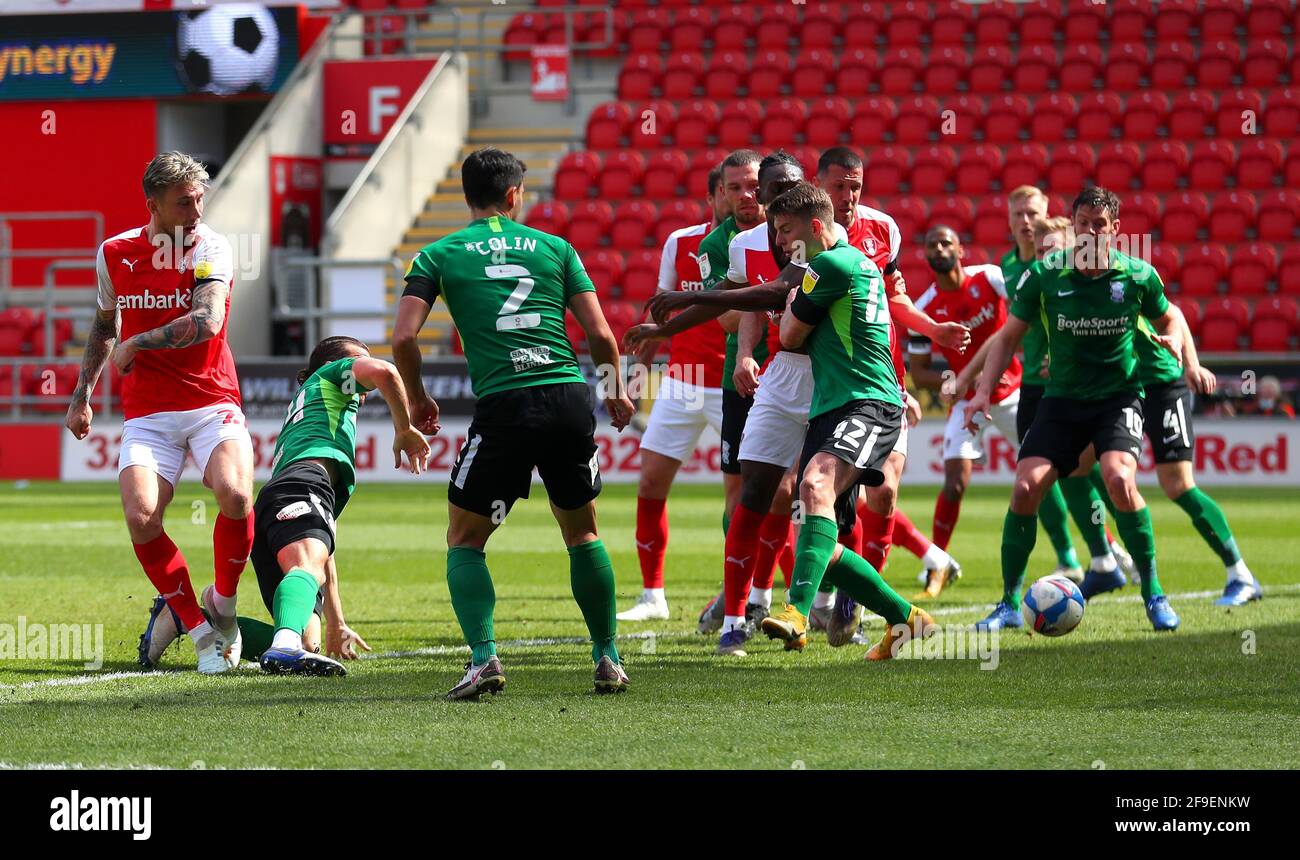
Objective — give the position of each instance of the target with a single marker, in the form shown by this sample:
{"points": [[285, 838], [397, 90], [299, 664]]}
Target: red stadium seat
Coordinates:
{"points": [[1026, 165], [952, 21], [622, 315], [1039, 21], [1173, 64], [1279, 215], [607, 125], [1100, 116], [691, 28], [576, 175], [946, 69], [778, 26], [590, 28], [900, 70], [653, 124], [989, 69], [1232, 119], [647, 30], [873, 118], [954, 210], [1071, 166], [1257, 163], [1167, 262], [1053, 115], [1176, 20], [1204, 268], [1165, 164], [979, 166], [677, 214], [697, 122], [726, 73], [1267, 18], [735, 25], [1221, 18], [822, 23], [65, 381], [1185, 215], [864, 23], [1129, 20], [916, 272], [1218, 63], [1223, 325], [857, 71], [572, 329], [1140, 213], [995, 22], [1231, 215], [1254, 267], [1192, 111], [907, 22], [1291, 170], [1210, 166], [631, 225], [1126, 65], [665, 173], [1084, 21], [1005, 118], [1265, 63], [1283, 117], [589, 224], [933, 169], [961, 119], [621, 173], [641, 274], [524, 30], [1117, 165], [807, 157], [1144, 115], [1191, 309], [1274, 324], [770, 72], [639, 77], [549, 217], [911, 214], [1288, 270], [1033, 71], [739, 123], [784, 122], [885, 168], [991, 221], [828, 120], [605, 268], [697, 174], [1080, 67], [12, 340], [814, 71], [918, 118], [682, 75]]}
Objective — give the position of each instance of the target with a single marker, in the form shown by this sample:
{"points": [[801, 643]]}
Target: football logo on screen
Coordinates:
{"points": [[228, 49]]}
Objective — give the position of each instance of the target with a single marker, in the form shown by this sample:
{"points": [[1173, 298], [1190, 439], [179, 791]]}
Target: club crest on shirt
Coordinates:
{"points": [[869, 246], [1117, 291], [974, 291]]}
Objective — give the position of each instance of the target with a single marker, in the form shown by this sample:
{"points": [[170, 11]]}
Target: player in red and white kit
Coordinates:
{"points": [[975, 296], [164, 296], [688, 400]]}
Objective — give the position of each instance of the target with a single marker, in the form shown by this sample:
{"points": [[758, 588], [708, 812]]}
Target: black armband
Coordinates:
{"points": [[806, 310], [422, 288]]}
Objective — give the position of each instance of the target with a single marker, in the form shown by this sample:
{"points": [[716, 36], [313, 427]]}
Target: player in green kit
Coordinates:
{"points": [[841, 314], [507, 287], [313, 474], [1089, 298]]}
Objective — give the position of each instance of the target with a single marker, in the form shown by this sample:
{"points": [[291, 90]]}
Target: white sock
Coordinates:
{"points": [[287, 639], [1104, 563], [761, 596], [935, 558], [731, 622], [824, 600], [654, 594], [225, 606], [1238, 572], [202, 635]]}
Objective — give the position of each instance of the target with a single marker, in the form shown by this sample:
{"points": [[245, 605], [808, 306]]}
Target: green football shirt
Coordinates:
{"points": [[1091, 323], [322, 425], [1156, 365], [507, 287], [1034, 345], [849, 347], [714, 258]]}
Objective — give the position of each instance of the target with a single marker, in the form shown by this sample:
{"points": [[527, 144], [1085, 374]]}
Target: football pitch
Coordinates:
{"points": [[1220, 692]]}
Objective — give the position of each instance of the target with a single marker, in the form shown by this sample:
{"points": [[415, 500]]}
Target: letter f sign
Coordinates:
{"points": [[383, 104]]}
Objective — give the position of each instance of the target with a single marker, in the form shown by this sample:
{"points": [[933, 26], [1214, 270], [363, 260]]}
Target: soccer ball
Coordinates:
{"points": [[1053, 606], [228, 49]]}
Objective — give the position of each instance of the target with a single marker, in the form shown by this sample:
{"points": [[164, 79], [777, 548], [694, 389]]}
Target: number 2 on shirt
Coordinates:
{"points": [[509, 318]]}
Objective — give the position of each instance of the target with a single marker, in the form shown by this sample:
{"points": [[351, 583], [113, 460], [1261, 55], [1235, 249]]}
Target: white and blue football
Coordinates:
{"points": [[1053, 606]]}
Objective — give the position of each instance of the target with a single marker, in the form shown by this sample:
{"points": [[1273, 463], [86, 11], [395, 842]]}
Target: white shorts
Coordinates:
{"points": [[900, 446], [778, 420], [679, 415], [159, 442], [961, 444]]}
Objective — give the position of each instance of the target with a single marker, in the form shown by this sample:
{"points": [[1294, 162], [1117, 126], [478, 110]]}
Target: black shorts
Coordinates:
{"points": [[862, 433], [735, 409], [1167, 410], [297, 503], [1027, 408], [1065, 427], [547, 427]]}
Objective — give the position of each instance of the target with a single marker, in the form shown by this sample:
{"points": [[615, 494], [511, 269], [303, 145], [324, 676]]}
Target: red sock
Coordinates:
{"points": [[877, 536], [232, 541], [1110, 538], [852, 539], [166, 569], [740, 558], [651, 539], [908, 536], [773, 538], [945, 519], [786, 560]]}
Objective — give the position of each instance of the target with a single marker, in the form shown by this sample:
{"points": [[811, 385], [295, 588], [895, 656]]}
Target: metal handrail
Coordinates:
{"points": [[283, 311], [13, 365], [8, 253]]}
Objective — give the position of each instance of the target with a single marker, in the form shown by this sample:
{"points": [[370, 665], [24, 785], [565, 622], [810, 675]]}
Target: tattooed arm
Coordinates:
{"points": [[202, 323], [103, 333]]}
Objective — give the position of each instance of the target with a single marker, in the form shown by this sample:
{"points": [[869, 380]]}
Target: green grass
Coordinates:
{"points": [[1110, 691]]}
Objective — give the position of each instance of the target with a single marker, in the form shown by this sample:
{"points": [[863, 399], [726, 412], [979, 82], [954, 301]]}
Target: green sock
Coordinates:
{"points": [[1094, 475], [1087, 511], [1209, 520], [853, 575], [294, 600], [591, 576], [827, 587], [726, 523], [1055, 520], [257, 636], [1140, 541], [817, 539], [473, 599], [1019, 533]]}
